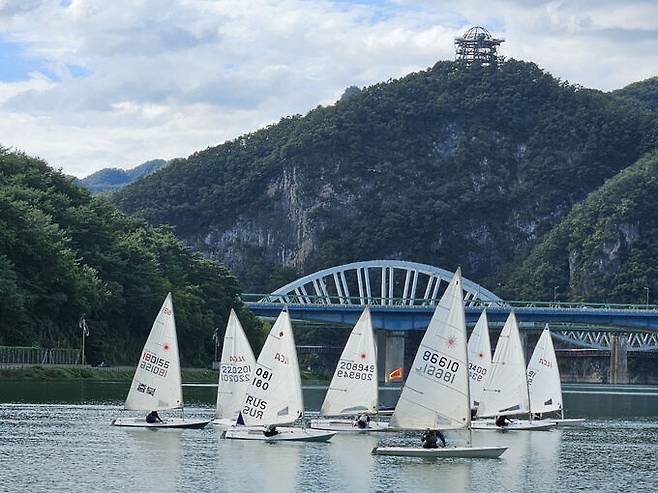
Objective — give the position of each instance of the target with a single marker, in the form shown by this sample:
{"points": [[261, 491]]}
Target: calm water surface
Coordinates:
{"points": [[55, 436]]}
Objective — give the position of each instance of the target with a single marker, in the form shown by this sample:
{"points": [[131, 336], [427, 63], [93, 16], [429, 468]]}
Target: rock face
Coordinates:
{"points": [[451, 166]]}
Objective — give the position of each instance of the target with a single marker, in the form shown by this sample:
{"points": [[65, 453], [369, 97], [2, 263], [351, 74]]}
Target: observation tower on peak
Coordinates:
{"points": [[477, 45]]}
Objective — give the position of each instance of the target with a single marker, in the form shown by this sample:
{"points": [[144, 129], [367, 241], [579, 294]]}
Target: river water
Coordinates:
{"points": [[55, 436]]}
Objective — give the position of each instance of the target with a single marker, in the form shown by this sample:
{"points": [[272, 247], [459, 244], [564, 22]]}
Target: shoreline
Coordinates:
{"points": [[115, 374]]}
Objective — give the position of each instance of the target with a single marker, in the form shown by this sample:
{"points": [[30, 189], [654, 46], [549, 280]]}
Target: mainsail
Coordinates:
{"points": [[479, 358], [274, 395], [157, 382], [544, 376], [505, 391], [354, 386], [235, 370], [436, 394]]}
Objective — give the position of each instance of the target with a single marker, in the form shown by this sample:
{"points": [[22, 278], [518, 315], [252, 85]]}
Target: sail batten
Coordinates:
{"points": [[236, 366], [354, 385], [479, 358], [544, 376], [274, 395], [156, 384], [436, 394], [505, 391]]}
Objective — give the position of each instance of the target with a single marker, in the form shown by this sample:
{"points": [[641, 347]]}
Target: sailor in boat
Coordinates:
{"points": [[362, 421], [502, 421], [153, 417], [270, 431], [431, 437]]}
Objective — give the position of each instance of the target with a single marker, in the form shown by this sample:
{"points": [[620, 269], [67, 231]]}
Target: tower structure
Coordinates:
{"points": [[477, 45]]}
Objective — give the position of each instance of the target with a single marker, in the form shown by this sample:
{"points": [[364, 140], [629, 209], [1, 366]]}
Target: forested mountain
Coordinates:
{"points": [[453, 165], [64, 253], [113, 179], [643, 94], [605, 249]]}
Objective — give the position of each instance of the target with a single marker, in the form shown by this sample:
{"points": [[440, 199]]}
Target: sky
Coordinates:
{"points": [[90, 84]]}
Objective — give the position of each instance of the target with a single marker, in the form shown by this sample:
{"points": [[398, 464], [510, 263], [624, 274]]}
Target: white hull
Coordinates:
{"points": [[516, 425], [167, 423], [347, 426], [225, 422], [449, 452], [286, 434], [569, 421]]}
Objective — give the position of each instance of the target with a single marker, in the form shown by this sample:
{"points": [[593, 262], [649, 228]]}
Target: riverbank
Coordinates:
{"points": [[114, 374]]}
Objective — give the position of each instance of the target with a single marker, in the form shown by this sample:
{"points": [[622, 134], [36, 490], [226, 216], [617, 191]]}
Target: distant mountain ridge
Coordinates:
{"points": [[110, 180], [454, 165]]}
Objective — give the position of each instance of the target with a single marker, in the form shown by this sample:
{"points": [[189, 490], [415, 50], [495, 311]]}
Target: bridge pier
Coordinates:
{"points": [[390, 352], [618, 358]]}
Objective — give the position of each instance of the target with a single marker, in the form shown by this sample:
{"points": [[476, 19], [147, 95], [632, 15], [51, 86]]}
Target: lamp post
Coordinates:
{"points": [[646, 289], [215, 337], [82, 325]]}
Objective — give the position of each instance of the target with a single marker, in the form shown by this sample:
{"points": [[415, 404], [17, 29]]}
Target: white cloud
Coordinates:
{"points": [[167, 79]]}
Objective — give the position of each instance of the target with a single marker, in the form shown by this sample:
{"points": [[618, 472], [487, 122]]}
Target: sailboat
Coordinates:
{"points": [[544, 380], [505, 392], [436, 393], [354, 387], [479, 358], [236, 366], [156, 385], [274, 395]]}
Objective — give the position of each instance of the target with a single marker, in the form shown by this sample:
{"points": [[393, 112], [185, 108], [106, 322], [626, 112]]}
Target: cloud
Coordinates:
{"points": [[117, 83]]}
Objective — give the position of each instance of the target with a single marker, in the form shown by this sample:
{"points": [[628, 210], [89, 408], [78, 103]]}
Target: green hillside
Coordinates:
{"points": [[451, 166], [112, 179], [643, 95], [64, 253], [605, 249]]}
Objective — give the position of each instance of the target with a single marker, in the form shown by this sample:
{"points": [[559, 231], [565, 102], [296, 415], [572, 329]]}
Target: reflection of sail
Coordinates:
{"points": [[159, 456], [273, 467]]}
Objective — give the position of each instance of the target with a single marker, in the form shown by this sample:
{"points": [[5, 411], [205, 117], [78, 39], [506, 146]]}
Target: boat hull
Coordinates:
{"points": [[449, 452], [286, 434], [225, 422], [516, 425], [347, 426], [570, 421], [168, 423]]}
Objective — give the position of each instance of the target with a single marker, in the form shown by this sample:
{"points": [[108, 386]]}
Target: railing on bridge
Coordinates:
{"points": [[26, 356], [295, 299]]}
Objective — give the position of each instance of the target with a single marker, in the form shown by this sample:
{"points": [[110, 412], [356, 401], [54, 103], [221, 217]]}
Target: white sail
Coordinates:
{"points": [[544, 376], [354, 386], [236, 366], [479, 358], [505, 391], [436, 394], [157, 382], [274, 395]]}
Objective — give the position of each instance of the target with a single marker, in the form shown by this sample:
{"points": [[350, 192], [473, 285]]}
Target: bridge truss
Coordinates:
{"points": [[410, 284]]}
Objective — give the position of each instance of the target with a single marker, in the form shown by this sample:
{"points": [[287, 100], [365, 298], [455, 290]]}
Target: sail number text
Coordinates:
{"points": [[233, 373], [440, 367], [545, 362], [476, 372], [355, 371], [262, 378], [152, 363]]}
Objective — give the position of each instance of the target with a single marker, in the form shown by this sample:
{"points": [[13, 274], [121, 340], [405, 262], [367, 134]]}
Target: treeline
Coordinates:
{"points": [[64, 253]]}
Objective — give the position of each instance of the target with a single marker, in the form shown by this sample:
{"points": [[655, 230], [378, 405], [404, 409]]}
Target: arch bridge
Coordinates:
{"points": [[402, 296]]}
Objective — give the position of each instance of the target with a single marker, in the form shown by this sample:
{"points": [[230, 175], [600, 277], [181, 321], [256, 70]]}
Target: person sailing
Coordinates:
{"points": [[270, 431], [153, 417], [430, 438], [362, 421], [502, 421]]}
